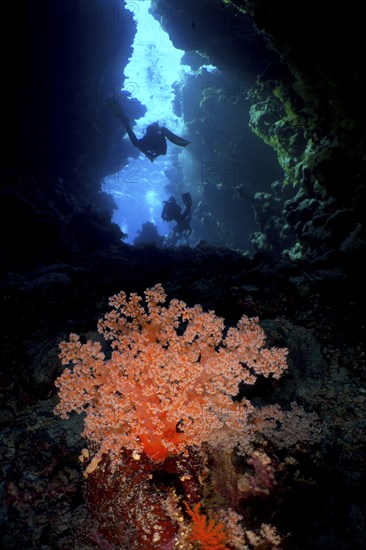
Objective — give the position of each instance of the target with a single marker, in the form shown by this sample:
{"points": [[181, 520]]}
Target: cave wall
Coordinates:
{"points": [[225, 157], [66, 58], [62, 60], [324, 87], [311, 108], [307, 103], [221, 34]]}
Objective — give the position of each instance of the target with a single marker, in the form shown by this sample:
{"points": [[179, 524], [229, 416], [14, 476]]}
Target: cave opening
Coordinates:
{"points": [[184, 92], [152, 74]]}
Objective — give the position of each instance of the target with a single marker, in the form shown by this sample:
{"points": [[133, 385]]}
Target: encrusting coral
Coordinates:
{"points": [[169, 381]]}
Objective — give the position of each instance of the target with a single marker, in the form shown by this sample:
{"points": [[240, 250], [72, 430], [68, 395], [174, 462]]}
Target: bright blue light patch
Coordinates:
{"points": [[140, 188], [139, 192], [153, 68], [151, 199]]}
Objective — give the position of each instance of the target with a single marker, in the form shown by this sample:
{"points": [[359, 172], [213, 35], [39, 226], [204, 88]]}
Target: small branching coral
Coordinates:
{"points": [[209, 534], [169, 380]]}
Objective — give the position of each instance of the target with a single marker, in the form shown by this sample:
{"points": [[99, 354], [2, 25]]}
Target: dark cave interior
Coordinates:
{"points": [[297, 264]]}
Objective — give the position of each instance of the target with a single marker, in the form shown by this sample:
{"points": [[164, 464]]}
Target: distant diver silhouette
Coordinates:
{"points": [[173, 212], [153, 144]]}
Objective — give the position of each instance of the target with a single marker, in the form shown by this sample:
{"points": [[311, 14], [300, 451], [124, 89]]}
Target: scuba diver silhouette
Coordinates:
{"points": [[153, 144], [172, 211]]}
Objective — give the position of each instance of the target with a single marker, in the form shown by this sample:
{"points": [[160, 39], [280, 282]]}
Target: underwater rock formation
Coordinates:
{"points": [[66, 60], [308, 101], [222, 35]]}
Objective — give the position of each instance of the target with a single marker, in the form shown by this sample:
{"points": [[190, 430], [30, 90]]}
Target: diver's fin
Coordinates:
{"points": [[115, 108], [173, 138], [187, 199]]}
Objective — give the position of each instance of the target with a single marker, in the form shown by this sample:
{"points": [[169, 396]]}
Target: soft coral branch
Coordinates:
{"points": [[169, 381], [208, 533]]}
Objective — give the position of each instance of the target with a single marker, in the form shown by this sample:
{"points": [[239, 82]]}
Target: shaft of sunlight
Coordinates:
{"points": [[152, 70]]}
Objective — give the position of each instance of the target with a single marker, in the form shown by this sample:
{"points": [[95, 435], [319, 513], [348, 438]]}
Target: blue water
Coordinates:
{"points": [[141, 187]]}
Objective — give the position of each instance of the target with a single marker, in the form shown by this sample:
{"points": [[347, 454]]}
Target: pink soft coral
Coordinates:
{"points": [[169, 380]]}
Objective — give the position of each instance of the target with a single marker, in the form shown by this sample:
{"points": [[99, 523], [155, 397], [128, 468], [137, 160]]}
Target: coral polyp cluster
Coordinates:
{"points": [[169, 381]]}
